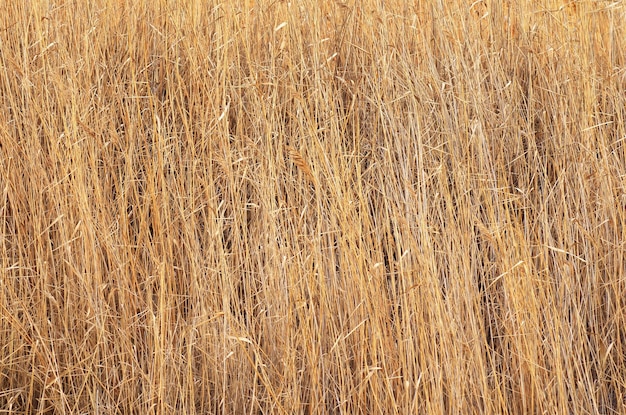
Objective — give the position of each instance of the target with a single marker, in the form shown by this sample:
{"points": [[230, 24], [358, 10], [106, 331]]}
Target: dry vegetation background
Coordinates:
{"points": [[309, 207]]}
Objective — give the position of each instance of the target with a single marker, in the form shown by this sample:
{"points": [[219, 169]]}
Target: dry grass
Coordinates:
{"points": [[313, 207]]}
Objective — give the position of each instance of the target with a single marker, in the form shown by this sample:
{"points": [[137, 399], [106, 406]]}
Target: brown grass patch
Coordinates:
{"points": [[312, 207]]}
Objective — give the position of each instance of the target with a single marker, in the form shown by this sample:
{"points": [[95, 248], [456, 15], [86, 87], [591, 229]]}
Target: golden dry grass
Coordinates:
{"points": [[306, 207]]}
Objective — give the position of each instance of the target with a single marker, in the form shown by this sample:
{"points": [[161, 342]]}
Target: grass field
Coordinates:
{"points": [[302, 207]]}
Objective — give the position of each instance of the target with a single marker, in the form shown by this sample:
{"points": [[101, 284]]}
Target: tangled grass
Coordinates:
{"points": [[301, 207]]}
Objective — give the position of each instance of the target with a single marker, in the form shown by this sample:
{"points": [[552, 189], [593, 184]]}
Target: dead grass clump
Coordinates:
{"points": [[323, 207]]}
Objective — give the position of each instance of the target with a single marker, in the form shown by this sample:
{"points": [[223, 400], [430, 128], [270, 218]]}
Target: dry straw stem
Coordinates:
{"points": [[161, 251]]}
